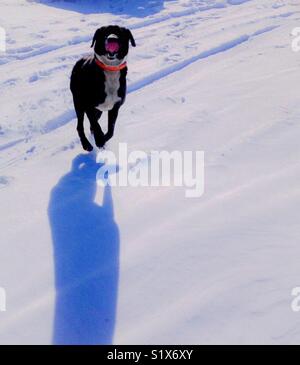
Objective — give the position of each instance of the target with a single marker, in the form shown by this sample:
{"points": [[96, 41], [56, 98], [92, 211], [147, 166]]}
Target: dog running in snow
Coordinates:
{"points": [[98, 82]]}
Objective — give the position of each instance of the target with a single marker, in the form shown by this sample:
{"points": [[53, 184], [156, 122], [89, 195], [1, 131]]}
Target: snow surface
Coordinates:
{"points": [[83, 264]]}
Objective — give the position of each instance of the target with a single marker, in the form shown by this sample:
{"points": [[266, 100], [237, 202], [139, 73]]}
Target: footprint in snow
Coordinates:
{"points": [[5, 181], [31, 150]]}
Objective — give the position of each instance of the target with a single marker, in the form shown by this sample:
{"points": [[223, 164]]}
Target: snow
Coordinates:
{"points": [[127, 265]]}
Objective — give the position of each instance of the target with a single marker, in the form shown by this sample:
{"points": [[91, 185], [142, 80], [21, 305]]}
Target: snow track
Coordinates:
{"points": [[221, 36], [69, 115]]}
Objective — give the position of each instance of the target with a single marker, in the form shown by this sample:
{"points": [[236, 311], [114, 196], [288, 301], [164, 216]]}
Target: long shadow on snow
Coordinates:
{"points": [[86, 252], [135, 8]]}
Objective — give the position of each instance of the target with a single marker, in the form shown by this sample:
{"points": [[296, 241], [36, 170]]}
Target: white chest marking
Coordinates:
{"points": [[112, 85]]}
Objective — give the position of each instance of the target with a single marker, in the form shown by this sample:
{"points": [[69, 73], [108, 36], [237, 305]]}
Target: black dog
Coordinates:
{"points": [[98, 82]]}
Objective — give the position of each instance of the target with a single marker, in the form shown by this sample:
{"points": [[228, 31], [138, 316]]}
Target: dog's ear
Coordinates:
{"points": [[130, 37], [98, 34]]}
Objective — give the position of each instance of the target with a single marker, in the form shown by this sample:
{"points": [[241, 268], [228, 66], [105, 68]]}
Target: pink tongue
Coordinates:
{"points": [[112, 47]]}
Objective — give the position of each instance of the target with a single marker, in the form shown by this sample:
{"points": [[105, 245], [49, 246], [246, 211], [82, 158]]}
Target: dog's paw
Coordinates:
{"points": [[101, 143], [87, 146], [100, 140]]}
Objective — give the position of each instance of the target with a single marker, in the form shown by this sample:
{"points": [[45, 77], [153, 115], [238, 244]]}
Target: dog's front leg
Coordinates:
{"points": [[94, 115], [80, 129], [112, 117]]}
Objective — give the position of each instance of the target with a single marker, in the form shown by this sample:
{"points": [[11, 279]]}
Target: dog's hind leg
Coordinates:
{"points": [[80, 128], [94, 114], [112, 117]]}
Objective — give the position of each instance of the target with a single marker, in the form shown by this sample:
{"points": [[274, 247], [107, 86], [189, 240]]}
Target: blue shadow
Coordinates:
{"points": [[136, 8], [86, 254]]}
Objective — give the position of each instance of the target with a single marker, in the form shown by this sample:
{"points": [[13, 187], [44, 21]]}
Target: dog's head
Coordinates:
{"points": [[111, 44]]}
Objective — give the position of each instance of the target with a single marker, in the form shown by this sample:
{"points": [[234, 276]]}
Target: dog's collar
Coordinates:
{"points": [[110, 68]]}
